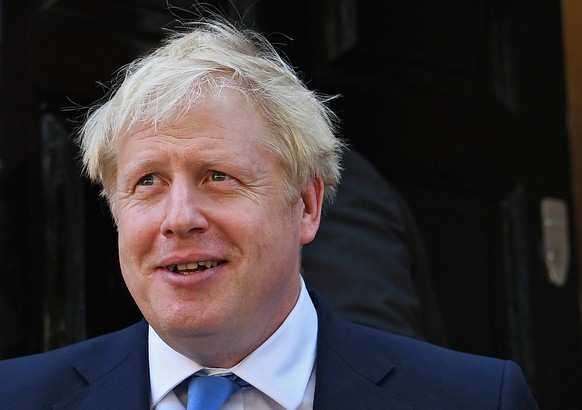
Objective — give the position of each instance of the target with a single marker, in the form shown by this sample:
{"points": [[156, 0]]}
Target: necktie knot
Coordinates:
{"points": [[211, 392]]}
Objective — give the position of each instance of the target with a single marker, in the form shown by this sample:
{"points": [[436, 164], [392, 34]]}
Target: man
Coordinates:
{"points": [[215, 160]]}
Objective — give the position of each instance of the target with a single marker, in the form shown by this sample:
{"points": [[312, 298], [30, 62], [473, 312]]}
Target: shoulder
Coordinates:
{"points": [[408, 354], [98, 346], [48, 375], [417, 373]]}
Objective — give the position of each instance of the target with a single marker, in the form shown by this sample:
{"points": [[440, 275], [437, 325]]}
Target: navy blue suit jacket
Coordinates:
{"points": [[357, 368]]}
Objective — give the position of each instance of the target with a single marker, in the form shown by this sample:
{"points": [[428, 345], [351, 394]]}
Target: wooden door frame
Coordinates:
{"points": [[572, 33]]}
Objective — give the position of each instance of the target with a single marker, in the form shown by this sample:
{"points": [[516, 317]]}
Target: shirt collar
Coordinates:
{"points": [[168, 368], [280, 367]]}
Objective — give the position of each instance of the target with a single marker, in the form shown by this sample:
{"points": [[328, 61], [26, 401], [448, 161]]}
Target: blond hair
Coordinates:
{"points": [[210, 55]]}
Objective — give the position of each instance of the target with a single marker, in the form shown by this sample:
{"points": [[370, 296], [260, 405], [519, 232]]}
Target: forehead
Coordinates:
{"points": [[225, 130]]}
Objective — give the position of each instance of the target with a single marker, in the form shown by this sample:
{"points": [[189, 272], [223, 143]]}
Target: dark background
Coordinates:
{"points": [[460, 104]]}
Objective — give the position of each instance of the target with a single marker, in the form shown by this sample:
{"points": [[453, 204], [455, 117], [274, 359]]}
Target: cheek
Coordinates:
{"points": [[273, 229], [134, 247], [136, 234], [280, 239]]}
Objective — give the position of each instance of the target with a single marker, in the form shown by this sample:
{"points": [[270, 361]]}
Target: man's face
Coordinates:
{"points": [[208, 245]]}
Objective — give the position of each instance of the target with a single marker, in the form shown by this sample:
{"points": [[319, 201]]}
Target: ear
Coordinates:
{"points": [[312, 197]]}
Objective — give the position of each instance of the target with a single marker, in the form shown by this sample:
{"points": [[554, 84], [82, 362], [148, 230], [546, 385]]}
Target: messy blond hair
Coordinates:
{"points": [[207, 56]]}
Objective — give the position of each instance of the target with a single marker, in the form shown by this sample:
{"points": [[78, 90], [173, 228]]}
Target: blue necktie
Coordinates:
{"points": [[211, 392]]}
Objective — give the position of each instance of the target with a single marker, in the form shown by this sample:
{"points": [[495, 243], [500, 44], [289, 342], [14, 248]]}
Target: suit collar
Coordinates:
{"points": [[352, 370], [116, 373]]}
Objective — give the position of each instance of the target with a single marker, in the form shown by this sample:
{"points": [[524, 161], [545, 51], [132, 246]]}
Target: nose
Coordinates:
{"points": [[184, 213]]}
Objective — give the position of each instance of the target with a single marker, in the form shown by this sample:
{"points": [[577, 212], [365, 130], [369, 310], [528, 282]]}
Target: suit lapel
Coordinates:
{"points": [[116, 372], [352, 371]]}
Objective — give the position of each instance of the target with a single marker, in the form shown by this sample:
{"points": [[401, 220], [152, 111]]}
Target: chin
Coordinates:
{"points": [[188, 325]]}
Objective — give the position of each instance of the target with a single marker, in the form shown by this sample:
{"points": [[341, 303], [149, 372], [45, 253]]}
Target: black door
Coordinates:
{"points": [[462, 106]]}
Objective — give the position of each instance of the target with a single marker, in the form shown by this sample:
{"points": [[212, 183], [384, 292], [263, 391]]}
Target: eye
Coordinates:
{"points": [[217, 176], [148, 180]]}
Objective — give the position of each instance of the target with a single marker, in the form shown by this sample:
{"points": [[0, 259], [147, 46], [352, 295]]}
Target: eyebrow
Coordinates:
{"points": [[136, 164]]}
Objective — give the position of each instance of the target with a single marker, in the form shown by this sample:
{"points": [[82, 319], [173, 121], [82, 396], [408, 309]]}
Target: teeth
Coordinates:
{"points": [[193, 265]]}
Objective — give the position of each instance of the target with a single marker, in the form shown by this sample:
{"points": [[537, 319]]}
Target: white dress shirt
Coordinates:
{"points": [[281, 371]]}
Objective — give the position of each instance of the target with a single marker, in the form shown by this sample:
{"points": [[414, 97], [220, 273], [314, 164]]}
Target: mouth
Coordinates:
{"points": [[193, 267]]}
